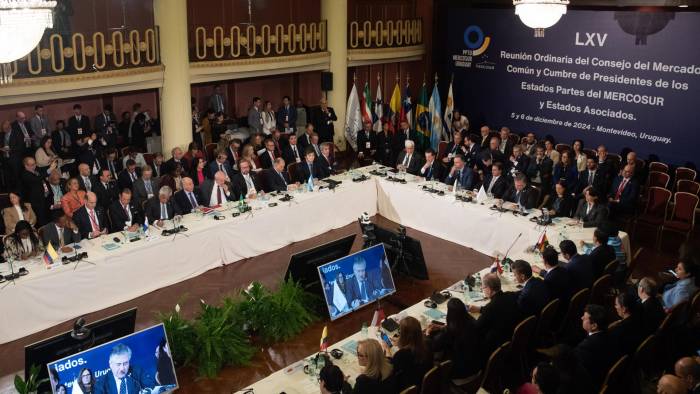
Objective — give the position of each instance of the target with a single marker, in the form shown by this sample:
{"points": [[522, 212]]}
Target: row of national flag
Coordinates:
{"points": [[430, 123]]}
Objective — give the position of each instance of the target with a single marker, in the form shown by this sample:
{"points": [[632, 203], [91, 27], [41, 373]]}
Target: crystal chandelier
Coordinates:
{"points": [[22, 24], [540, 14]]}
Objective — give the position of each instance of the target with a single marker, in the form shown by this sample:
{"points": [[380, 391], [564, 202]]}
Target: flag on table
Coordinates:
{"points": [[394, 108], [324, 339], [436, 129], [407, 107], [542, 242], [423, 118], [366, 105], [378, 110], [50, 254], [353, 118], [378, 317], [449, 108], [145, 225]]}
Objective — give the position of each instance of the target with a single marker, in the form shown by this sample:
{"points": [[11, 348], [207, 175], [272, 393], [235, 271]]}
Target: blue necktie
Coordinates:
{"points": [[363, 290], [122, 386], [430, 172]]}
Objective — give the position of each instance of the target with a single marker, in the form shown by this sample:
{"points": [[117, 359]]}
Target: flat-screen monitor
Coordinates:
{"points": [[142, 361], [354, 281], [62, 345], [303, 265], [412, 252]]}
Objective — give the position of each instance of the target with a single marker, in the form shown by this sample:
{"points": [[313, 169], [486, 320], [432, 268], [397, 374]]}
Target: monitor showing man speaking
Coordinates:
{"points": [[354, 281], [140, 363]]}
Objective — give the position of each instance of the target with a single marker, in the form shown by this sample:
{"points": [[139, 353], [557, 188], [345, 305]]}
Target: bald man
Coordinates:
{"points": [[671, 384], [277, 178], [90, 218], [216, 191], [624, 192], [688, 369], [323, 121]]}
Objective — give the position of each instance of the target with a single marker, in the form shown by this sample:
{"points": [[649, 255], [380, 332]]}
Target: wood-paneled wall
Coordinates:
{"points": [[388, 73], [234, 12], [101, 15]]}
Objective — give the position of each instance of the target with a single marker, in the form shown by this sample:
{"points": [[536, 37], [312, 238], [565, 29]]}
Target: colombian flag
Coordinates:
{"points": [[324, 339], [50, 254]]}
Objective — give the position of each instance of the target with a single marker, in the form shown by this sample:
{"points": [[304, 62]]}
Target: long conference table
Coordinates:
{"points": [[118, 272]]}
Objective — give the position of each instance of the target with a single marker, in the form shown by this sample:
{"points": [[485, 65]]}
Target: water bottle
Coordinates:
{"points": [[364, 330]]}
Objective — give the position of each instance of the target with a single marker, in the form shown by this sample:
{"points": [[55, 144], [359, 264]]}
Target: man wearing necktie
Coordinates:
{"points": [[277, 178], [221, 164], [23, 128], [124, 215], [520, 194], [162, 207], [216, 100], [624, 193], [364, 286], [407, 160], [123, 377], [291, 153], [216, 191], [287, 116], [268, 157], [126, 178], [189, 198], [244, 185], [463, 175], [39, 124]]}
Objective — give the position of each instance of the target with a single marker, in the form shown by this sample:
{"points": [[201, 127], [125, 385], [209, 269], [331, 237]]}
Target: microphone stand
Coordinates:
{"points": [[79, 259], [10, 278], [511, 246]]}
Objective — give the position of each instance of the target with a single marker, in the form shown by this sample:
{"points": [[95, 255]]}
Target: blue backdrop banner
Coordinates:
{"points": [[619, 78]]}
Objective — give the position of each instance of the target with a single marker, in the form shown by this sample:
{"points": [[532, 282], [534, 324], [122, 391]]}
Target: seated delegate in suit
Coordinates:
{"points": [[460, 174], [589, 211], [364, 286], [566, 171], [325, 161], [519, 163], [245, 183], [269, 155], [652, 310], [627, 332], [309, 168], [220, 163], [579, 265], [277, 178], [366, 144], [454, 148], [684, 287], [601, 254], [124, 214], [497, 318], [189, 198], [23, 243], [292, 152], [592, 177], [74, 198], [496, 183], [596, 352], [90, 218], [128, 175], [520, 193], [60, 232], [123, 373], [540, 169], [162, 207], [145, 187], [557, 278], [432, 169], [408, 160], [216, 191], [104, 189], [624, 193], [534, 294], [18, 210], [561, 204]]}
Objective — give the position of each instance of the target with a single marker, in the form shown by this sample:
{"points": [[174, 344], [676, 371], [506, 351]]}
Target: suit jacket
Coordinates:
{"points": [[11, 217], [78, 128], [183, 201], [499, 188], [629, 195], [568, 174], [124, 180], [366, 143], [49, 233], [562, 206], [581, 271], [527, 198], [240, 188], [521, 164], [373, 284], [414, 164], [213, 167], [153, 212], [136, 380], [652, 314], [81, 218], [598, 182], [497, 321], [208, 187], [325, 167], [288, 154], [93, 180], [323, 124], [594, 218], [115, 168], [596, 354], [139, 192], [400, 138], [275, 182], [600, 257], [254, 120], [466, 180], [626, 334], [170, 164], [35, 191], [49, 200], [103, 121], [558, 281], [288, 115], [436, 171], [118, 216], [533, 297], [39, 123], [105, 195], [303, 171], [217, 103], [507, 149], [16, 142], [19, 135], [544, 168], [303, 141], [266, 161]]}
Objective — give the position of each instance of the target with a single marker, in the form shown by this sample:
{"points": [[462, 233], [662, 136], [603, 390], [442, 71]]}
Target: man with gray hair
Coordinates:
{"points": [[364, 286], [123, 377], [408, 160], [162, 207], [520, 193], [652, 312]]}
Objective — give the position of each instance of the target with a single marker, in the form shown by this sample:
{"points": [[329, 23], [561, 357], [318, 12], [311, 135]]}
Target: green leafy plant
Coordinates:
{"points": [[32, 384], [219, 340], [180, 336], [291, 310], [251, 308]]}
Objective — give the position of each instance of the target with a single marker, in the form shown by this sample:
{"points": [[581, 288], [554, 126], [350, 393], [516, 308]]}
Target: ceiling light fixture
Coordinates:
{"points": [[540, 14]]}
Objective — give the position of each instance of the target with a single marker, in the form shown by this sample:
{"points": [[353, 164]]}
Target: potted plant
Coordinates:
{"points": [[31, 385]]}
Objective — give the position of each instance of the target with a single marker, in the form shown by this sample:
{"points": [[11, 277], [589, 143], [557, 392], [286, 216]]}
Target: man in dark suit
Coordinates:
{"points": [[309, 167], [505, 145], [590, 211], [111, 163], [123, 214], [292, 152], [280, 143], [602, 254], [432, 169], [519, 163], [78, 124], [90, 219], [596, 352], [106, 126], [162, 207], [245, 184], [495, 183], [255, 116], [55, 185], [287, 116], [364, 286], [270, 154], [485, 135], [216, 191], [128, 176], [123, 377], [60, 232], [177, 159], [34, 190], [520, 193], [498, 318], [85, 177], [22, 130], [325, 161], [473, 150], [403, 134], [539, 171], [591, 177], [461, 174], [366, 144], [534, 295], [11, 153], [624, 193], [408, 159], [607, 166], [652, 311], [323, 122], [189, 198], [454, 148], [579, 266], [220, 163], [556, 277], [276, 177], [305, 139], [144, 187], [105, 190]]}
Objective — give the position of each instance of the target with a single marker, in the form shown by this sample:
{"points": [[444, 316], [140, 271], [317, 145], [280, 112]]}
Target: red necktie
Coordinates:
{"points": [[620, 188], [93, 221]]}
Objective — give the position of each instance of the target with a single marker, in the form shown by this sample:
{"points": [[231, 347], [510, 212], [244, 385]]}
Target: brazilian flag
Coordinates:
{"points": [[423, 119]]}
